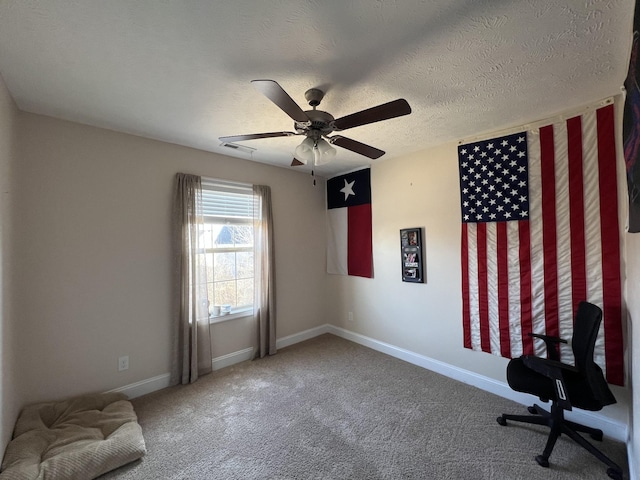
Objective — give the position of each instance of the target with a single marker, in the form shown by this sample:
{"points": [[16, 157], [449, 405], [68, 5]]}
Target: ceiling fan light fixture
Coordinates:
{"points": [[304, 151], [324, 152]]}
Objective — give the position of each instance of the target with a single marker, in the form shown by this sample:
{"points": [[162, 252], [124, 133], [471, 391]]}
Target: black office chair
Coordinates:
{"points": [[582, 386]]}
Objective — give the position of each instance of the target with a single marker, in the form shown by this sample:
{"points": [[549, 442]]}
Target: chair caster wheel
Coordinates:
{"points": [[543, 462], [597, 436], [613, 473], [502, 421], [532, 410]]}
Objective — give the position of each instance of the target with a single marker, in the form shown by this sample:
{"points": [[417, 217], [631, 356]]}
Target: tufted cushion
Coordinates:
{"points": [[76, 439]]}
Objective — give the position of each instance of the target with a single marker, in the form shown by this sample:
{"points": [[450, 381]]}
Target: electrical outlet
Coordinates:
{"points": [[123, 363], [350, 316]]}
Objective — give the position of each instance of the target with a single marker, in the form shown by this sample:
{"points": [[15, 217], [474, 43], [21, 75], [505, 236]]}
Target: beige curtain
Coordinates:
{"points": [[191, 340], [264, 301]]}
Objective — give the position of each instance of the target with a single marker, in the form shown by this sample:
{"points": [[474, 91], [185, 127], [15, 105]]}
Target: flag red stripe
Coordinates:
{"points": [[466, 315], [576, 213], [359, 244], [526, 309], [503, 288], [549, 231], [483, 289], [611, 281]]}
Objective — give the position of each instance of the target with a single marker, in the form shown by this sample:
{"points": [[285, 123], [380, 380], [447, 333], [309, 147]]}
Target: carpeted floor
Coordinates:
{"points": [[331, 409]]}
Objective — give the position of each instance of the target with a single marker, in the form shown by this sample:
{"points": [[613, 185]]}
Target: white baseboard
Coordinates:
{"points": [[610, 427], [232, 358], [159, 382], [633, 462], [143, 387], [302, 336]]}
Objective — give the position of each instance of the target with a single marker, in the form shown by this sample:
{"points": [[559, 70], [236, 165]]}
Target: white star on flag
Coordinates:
{"points": [[348, 189]]}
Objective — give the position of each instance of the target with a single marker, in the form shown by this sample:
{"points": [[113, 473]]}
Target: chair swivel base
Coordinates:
{"points": [[556, 422]]}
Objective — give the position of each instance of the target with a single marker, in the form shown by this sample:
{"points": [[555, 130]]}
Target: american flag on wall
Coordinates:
{"points": [[540, 234]]}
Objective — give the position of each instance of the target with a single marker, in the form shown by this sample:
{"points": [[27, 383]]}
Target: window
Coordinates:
{"points": [[228, 211]]}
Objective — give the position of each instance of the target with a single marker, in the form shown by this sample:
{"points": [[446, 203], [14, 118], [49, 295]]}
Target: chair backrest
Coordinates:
{"points": [[585, 333]]}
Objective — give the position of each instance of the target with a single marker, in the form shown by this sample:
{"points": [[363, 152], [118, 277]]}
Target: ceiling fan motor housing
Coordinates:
{"points": [[321, 124]]}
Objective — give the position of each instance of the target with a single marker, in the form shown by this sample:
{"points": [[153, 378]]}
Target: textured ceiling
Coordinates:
{"points": [[180, 71]]}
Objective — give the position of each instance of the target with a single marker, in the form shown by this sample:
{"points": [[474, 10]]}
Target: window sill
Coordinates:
{"points": [[230, 316]]}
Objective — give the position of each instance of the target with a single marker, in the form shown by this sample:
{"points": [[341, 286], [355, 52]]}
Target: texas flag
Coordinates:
{"points": [[349, 246]]}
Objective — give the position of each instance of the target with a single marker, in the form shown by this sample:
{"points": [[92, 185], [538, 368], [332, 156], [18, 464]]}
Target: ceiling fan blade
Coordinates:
{"points": [[355, 146], [296, 163], [396, 108], [274, 92], [253, 136]]}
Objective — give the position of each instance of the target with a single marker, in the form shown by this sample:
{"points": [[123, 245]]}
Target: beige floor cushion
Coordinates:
{"points": [[77, 439]]}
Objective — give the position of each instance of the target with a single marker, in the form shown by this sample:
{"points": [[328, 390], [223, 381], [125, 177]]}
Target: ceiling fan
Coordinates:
{"points": [[317, 125]]}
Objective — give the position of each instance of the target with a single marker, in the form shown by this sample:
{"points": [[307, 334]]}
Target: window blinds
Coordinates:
{"points": [[227, 199]]}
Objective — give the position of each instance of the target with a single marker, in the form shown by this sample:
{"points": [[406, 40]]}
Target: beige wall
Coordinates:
{"points": [[10, 391], [94, 253], [420, 190]]}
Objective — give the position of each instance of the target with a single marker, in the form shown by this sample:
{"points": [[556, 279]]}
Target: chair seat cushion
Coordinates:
{"points": [[76, 439], [523, 379]]}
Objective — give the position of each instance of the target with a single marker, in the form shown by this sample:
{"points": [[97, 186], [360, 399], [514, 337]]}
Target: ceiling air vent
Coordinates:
{"points": [[240, 148]]}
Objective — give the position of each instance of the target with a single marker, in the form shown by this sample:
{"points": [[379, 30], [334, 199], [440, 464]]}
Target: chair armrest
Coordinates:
{"points": [[552, 369], [551, 343]]}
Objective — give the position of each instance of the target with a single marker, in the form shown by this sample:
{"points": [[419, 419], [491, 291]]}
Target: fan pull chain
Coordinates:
{"points": [[314, 180]]}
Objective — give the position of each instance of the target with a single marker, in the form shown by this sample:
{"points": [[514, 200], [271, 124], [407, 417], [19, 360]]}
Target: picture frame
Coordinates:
{"points": [[411, 255]]}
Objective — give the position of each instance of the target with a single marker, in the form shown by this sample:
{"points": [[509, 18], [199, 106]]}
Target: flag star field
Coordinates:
{"points": [[494, 179]]}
